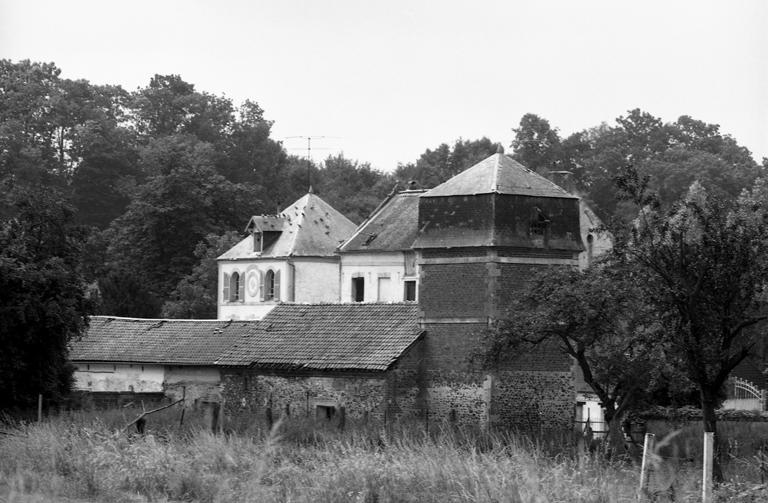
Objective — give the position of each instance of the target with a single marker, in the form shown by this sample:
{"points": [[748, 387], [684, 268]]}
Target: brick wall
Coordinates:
{"points": [[453, 290], [534, 390]]}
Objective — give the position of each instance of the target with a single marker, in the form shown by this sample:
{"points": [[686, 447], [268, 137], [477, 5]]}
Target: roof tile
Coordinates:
{"points": [[325, 336]]}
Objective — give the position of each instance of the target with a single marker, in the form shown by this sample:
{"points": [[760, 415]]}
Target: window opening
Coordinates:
{"points": [[325, 412], [234, 287], [269, 284], [358, 289], [410, 290], [539, 223]]}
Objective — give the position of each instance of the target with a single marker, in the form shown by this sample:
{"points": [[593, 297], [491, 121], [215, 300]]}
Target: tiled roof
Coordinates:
{"points": [[310, 228], [392, 228], [498, 174], [172, 342], [328, 337]]}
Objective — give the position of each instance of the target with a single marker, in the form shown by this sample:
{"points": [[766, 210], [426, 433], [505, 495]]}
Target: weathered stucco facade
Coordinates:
{"points": [[289, 257]]}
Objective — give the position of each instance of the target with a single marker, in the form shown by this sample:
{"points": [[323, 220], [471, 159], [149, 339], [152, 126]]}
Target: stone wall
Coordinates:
{"points": [[537, 399], [362, 396]]}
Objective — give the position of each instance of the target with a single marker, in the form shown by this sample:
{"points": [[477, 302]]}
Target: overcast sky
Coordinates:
{"points": [[385, 80]]}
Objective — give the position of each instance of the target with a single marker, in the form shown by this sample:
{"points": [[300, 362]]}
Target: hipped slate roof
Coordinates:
{"points": [[392, 227], [369, 337], [498, 174], [310, 228], [171, 342]]}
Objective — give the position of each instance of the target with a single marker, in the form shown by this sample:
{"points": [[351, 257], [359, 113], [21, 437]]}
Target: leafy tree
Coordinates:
{"points": [[182, 202], [673, 155], [250, 155], [596, 317], [106, 172], [125, 292], [42, 297], [436, 166], [702, 267], [27, 119], [169, 105], [536, 145], [353, 188], [41, 116], [196, 295]]}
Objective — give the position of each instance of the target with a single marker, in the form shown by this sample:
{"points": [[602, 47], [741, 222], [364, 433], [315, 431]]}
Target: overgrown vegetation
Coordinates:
{"points": [[81, 458]]}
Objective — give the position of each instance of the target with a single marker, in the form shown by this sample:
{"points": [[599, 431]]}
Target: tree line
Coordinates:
{"points": [[117, 202]]}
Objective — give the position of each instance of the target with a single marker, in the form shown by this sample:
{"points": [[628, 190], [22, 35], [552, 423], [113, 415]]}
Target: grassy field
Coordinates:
{"points": [[84, 457]]}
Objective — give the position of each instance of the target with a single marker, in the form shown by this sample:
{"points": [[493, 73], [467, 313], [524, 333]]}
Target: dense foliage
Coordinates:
{"points": [[43, 302], [673, 155]]}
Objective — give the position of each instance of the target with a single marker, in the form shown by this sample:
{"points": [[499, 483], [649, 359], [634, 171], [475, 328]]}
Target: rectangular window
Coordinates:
{"points": [[358, 289], [410, 290], [325, 412], [383, 292]]}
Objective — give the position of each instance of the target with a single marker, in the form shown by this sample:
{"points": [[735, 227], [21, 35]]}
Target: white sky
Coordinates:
{"points": [[389, 79]]}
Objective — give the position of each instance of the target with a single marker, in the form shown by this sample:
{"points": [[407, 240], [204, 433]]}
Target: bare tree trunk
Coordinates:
{"points": [[614, 443]]}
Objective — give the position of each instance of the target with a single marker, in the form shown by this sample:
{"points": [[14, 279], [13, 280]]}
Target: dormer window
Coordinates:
{"points": [[265, 230]]}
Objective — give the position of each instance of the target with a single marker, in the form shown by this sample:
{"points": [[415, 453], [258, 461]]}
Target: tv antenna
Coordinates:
{"points": [[309, 153]]}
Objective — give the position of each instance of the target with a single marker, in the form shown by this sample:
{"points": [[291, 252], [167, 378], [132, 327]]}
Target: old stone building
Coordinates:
{"points": [[386, 320], [315, 359]]}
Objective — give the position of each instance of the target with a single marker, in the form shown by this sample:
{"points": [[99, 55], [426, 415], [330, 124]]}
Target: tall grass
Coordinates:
{"points": [[84, 457]]}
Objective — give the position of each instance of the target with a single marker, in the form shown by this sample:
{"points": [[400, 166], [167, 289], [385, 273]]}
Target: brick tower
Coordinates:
{"points": [[482, 234]]}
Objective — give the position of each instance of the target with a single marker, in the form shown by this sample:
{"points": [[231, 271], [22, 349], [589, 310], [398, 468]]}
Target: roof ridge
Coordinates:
{"points": [[130, 318]]}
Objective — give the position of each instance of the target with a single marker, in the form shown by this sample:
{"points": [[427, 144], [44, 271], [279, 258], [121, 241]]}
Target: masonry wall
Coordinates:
{"points": [[454, 290], [362, 396], [460, 291]]}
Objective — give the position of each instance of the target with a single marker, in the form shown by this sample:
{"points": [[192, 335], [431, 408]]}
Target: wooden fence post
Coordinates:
{"points": [[706, 480], [39, 408], [645, 466], [183, 405], [222, 414]]}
